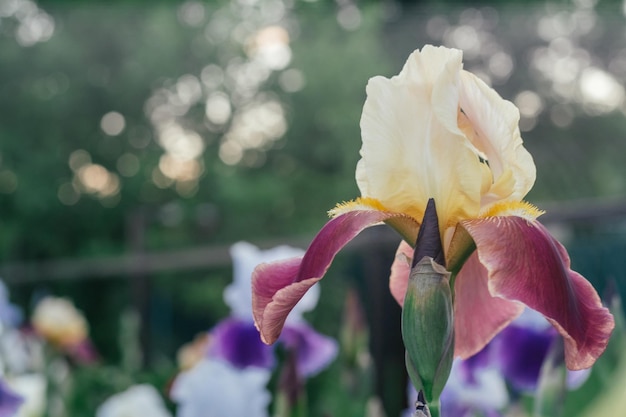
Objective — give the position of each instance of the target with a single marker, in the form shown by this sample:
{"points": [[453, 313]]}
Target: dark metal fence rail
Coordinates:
{"points": [[206, 257]]}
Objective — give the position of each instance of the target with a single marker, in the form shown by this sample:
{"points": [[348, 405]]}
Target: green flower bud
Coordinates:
{"points": [[428, 327]]}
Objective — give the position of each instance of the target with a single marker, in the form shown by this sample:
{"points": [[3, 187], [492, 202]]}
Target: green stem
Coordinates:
{"points": [[434, 409]]}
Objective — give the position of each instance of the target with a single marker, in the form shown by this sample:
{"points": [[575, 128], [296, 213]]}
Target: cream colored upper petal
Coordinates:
{"points": [[412, 147], [497, 135]]}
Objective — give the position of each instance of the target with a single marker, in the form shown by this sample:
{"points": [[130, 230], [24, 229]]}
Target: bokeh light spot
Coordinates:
{"points": [[270, 46], [67, 194], [529, 104], [181, 143], [600, 90], [78, 159], [191, 13], [291, 80], [113, 123], [218, 109], [212, 76], [349, 17], [96, 179], [181, 170]]}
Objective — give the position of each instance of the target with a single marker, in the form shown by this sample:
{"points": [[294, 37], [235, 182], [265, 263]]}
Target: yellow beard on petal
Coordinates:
{"points": [[361, 203], [403, 223], [513, 208]]}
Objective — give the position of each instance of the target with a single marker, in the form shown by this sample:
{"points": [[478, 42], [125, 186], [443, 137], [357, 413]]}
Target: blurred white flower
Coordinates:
{"points": [[217, 389], [137, 401], [10, 315], [32, 388], [20, 352], [246, 257], [58, 321], [486, 392]]}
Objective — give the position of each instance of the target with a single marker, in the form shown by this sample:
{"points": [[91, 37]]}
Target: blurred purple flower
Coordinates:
{"points": [[520, 353], [520, 350], [236, 339], [313, 351], [9, 401]]}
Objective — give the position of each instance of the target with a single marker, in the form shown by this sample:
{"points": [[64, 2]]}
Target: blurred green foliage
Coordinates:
{"points": [[107, 57]]}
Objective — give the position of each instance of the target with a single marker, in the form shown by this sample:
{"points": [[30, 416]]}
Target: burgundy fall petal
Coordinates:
{"points": [[525, 263], [478, 316], [400, 270], [278, 286]]}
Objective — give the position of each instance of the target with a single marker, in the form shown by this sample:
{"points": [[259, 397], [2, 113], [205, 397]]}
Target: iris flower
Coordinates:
{"points": [[437, 131], [236, 340]]}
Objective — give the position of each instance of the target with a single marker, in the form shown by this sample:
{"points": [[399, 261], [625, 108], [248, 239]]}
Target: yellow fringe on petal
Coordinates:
{"points": [[361, 203], [514, 208]]}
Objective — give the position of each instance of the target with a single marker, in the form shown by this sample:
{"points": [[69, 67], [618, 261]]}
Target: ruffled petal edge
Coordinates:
{"points": [[278, 286], [526, 264]]}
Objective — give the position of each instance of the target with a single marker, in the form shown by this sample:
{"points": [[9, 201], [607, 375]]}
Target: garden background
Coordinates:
{"points": [[140, 139]]}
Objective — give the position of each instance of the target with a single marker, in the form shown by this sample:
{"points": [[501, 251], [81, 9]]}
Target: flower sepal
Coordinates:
{"points": [[428, 327]]}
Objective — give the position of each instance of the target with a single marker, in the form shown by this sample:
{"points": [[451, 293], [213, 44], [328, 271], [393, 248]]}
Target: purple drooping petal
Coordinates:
{"points": [[314, 351], [9, 401], [238, 342], [520, 353]]}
